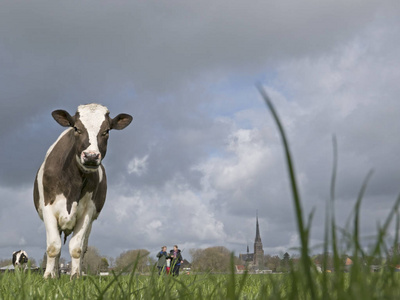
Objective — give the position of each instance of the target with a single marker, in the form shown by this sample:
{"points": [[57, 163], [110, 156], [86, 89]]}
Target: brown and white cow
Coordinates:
{"points": [[70, 186]]}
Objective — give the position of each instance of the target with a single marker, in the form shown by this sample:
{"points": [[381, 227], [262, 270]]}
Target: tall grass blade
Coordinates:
{"points": [[295, 192], [356, 233], [330, 226]]}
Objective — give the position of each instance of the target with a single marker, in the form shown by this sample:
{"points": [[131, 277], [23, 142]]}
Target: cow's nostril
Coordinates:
{"points": [[90, 158], [91, 155]]}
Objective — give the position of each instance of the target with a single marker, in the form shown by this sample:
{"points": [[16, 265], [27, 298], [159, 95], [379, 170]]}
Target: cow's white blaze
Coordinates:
{"points": [[92, 116]]}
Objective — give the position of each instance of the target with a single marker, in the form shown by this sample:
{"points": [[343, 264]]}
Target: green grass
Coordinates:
{"points": [[302, 282], [230, 286]]}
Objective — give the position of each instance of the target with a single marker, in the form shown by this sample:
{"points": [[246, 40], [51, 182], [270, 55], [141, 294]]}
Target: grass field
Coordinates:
{"points": [[365, 285], [32, 286], [302, 282]]}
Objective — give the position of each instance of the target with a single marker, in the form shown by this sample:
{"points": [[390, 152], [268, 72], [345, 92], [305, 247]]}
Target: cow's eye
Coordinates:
{"points": [[77, 130]]}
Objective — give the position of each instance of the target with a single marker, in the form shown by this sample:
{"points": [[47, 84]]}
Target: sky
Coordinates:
{"points": [[203, 155]]}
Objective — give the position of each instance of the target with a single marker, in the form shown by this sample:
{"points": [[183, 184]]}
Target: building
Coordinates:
{"points": [[254, 260]]}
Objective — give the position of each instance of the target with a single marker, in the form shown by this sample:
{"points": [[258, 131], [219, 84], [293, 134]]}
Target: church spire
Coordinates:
{"points": [[258, 237], [258, 258]]}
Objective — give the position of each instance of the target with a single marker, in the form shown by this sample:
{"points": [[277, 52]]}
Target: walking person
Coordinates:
{"points": [[177, 259], [162, 260]]}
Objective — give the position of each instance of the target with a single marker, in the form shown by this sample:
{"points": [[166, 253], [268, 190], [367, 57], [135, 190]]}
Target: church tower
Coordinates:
{"points": [[258, 259]]}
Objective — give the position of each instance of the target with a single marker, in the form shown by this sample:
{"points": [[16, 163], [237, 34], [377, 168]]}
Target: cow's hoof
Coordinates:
{"points": [[74, 276], [48, 275]]}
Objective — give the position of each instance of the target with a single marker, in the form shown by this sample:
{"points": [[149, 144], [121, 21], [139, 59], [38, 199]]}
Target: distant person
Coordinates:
{"points": [[168, 268], [177, 259], [162, 259]]}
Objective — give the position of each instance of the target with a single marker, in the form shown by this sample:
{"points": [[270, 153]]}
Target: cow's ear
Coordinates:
{"points": [[121, 121], [63, 118]]}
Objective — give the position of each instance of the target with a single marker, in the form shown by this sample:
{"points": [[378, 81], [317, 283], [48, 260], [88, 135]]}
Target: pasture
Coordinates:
{"points": [[353, 285]]}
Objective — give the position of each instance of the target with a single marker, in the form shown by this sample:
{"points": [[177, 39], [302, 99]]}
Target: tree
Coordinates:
{"points": [[374, 260], [127, 260], [92, 261], [285, 263], [324, 260], [104, 265], [272, 262], [32, 262], [151, 261], [111, 261], [5, 262], [213, 259]]}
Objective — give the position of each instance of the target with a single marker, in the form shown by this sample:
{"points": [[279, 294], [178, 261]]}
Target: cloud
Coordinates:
{"points": [[172, 215], [138, 166]]}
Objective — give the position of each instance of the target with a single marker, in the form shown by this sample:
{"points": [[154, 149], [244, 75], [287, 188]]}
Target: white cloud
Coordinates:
{"points": [[246, 154], [138, 166], [174, 214]]}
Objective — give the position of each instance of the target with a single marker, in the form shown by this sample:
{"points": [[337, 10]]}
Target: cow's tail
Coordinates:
{"points": [[66, 234]]}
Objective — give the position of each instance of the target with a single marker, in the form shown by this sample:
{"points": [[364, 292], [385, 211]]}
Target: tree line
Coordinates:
{"points": [[94, 263], [212, 259]]}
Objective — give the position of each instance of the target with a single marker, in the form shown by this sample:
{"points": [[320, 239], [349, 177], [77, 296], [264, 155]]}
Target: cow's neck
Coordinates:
{"points": [[88, 184]]}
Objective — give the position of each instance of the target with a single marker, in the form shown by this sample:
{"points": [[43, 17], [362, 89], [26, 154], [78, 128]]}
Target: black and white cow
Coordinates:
{"points": [[19, 259], [70, 186]]}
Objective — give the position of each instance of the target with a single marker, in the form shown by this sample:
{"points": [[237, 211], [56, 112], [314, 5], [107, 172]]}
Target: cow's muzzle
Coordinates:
{"points": [[91, 159]]}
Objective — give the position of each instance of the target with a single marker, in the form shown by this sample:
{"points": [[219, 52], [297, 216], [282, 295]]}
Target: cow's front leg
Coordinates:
{"points": [[53, 249], [78, 243]]}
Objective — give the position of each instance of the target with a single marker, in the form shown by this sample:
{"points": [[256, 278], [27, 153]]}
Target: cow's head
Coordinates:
{"points": [[19, 258], [91, 125]]}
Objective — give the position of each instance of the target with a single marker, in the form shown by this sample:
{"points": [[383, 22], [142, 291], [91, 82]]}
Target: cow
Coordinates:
{"points": [[70, 186], [19, 259]]}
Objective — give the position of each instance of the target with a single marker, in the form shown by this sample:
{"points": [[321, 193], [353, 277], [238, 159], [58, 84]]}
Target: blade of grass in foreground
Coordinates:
{"points": [[330, 227], [303, 231], [356, 234]]}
